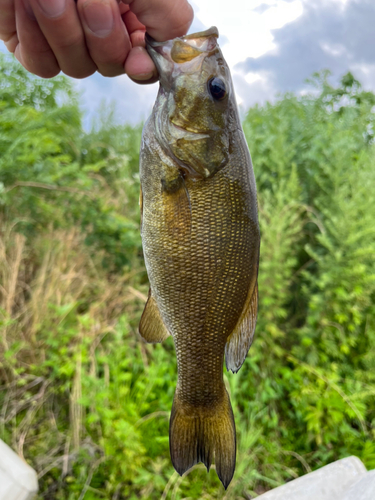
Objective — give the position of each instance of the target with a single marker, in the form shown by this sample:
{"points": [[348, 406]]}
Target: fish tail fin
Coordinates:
{"points": [[203, 435]]}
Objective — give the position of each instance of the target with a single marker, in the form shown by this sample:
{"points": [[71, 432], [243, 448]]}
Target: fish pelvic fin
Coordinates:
{"points": [[240, 340], [203, 435], [151, 326]]}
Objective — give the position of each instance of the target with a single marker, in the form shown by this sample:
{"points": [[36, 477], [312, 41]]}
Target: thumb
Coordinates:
{"points": [[164, 19]]}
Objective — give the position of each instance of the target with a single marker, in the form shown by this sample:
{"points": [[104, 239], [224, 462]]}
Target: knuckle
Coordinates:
{"points": [[10, 41], [80, 73], [40, 64], [111, 71], [11, 47], [111, 66], [70, 42], [118, 62], [48, 73]]}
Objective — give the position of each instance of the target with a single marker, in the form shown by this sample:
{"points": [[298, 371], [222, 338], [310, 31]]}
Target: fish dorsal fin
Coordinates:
{"points": [[151, 326], [240, 339]]}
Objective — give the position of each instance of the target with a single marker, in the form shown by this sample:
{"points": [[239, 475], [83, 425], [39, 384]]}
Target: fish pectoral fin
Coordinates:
{"points": [[240, 340], [177, 208], [151, 326]]}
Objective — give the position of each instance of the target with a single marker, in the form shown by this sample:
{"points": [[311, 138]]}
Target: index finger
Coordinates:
{"points": [[164, 19], [7, 22]]}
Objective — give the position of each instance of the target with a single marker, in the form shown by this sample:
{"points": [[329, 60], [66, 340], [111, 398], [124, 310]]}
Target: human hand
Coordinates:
{"points": [[49, 36]]}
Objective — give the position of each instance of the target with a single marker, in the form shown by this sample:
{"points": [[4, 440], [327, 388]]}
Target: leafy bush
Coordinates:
{"points": [[321, 343], [51, 173]]}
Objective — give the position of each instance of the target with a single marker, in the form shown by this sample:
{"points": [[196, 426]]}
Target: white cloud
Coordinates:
{"points": [[248, 31], [330, 34], [252, 77], [335, 50]]}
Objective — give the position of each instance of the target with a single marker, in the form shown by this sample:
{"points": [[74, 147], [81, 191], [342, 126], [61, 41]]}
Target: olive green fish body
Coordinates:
{"points": [[200, 238]]}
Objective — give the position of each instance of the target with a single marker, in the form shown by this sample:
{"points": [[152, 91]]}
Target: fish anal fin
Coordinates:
{"points": [[151, 326], [240, 340]]}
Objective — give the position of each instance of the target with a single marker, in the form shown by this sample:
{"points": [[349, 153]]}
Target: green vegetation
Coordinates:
{"points": [[82, 398]]}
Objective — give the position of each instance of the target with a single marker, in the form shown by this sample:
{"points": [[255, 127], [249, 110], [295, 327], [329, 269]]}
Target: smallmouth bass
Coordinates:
{"points": [[200, 237]]}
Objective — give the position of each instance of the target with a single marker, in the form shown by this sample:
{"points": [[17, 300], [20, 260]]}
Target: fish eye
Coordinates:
{"points": [[217, 89]]}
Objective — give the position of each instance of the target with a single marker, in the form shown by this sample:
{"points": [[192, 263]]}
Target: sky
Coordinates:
{"points": [[271, 46]]}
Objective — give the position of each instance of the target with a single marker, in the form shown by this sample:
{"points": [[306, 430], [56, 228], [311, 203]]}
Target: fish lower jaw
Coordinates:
{"points": [[185, 133]]}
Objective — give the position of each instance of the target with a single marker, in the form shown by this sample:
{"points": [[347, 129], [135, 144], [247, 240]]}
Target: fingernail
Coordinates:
{"points": [[98, 17], [52, 8], [142, 76]]}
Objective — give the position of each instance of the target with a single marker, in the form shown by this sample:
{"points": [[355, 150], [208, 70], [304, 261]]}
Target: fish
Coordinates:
{"points": [[201, 238]]}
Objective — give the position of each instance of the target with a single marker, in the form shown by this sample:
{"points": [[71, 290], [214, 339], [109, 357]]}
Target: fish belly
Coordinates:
{"points": [[200, 246]]}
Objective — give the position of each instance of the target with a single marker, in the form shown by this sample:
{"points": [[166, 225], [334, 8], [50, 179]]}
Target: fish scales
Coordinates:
{"points": [[200, 238]]}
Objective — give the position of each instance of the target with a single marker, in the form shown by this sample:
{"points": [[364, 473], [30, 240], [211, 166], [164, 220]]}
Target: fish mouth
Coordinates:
{"points": [[199, 40], [166, 55]]}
